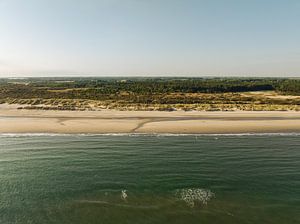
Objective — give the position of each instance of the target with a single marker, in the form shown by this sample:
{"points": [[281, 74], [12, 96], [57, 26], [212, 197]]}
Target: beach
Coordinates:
{"points": [[13, 120]]}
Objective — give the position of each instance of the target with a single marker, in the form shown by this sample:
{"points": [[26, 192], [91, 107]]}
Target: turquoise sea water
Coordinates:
{"points": [[149, 179]]}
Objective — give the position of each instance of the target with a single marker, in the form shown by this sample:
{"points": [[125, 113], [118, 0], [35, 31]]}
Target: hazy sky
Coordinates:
{"points": [[150, 37]]}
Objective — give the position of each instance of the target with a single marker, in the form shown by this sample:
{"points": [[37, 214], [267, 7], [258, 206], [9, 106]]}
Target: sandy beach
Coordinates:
{"points": [[13, 120]]}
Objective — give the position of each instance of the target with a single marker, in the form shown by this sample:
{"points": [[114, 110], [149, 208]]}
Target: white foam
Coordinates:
{"points": [[191, 196], [144, 134], [13, 135], [124, 195]]}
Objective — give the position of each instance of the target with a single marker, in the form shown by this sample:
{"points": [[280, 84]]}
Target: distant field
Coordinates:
{"points": [[214, 94]]}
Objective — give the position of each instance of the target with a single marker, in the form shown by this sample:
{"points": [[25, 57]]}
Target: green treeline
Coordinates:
{"points": [[136, 88]]}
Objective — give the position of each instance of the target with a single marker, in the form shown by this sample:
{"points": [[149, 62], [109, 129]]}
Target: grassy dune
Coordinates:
{"points": [[153, 94]]}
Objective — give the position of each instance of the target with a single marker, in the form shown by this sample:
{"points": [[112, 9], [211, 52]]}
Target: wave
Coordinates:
{"points": [[119, 204], [14, 135], [123, 204], [192, 196]]}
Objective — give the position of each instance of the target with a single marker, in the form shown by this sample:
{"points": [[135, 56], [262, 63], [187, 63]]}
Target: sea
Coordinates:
{"points": [[140, 179]]}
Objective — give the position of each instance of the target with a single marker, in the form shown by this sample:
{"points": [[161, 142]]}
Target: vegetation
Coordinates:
{"points": [[152, 93]]}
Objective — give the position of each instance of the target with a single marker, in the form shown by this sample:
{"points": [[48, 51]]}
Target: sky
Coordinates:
{"points": [[150, 38]]}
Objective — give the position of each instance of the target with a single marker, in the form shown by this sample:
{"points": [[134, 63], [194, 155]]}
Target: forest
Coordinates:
{"points": [[146, 93]]}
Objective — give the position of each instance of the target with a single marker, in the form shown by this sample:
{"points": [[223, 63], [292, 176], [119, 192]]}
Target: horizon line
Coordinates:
{"points": [[147, 76]]}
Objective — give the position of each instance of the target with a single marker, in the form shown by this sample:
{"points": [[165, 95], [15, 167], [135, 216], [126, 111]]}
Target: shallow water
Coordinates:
{"points": [[149, 179]]}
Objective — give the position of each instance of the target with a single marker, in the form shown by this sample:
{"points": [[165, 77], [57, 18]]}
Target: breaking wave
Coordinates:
{"points": [[14, 135], [192, 196]]}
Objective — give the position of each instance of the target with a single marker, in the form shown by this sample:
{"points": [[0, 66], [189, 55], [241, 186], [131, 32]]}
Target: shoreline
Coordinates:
{"points": [[146, 122], [145, 134]]}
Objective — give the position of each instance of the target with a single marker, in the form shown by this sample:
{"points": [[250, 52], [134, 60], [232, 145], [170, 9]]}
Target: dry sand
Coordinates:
{"points": [[111, 121]]}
